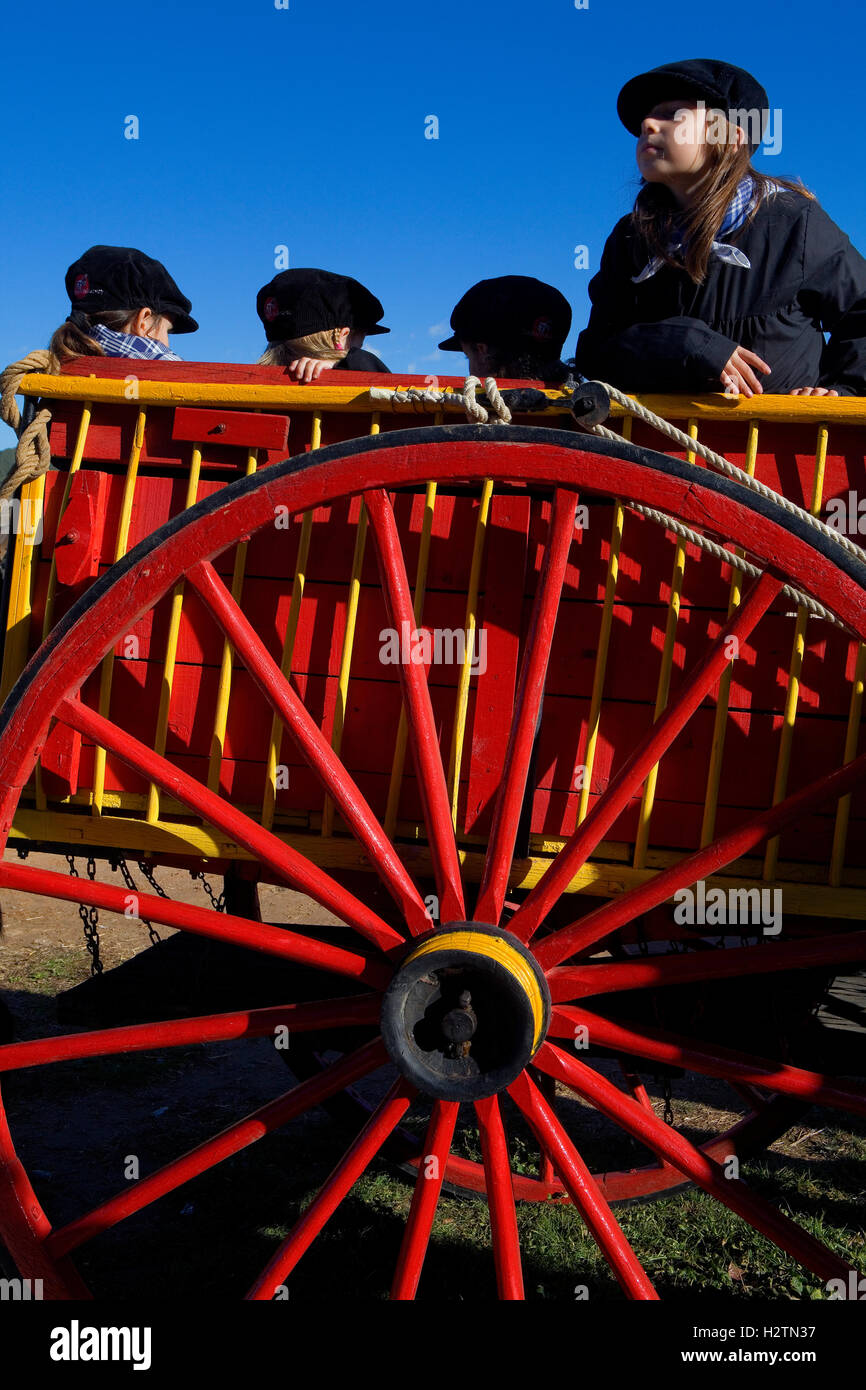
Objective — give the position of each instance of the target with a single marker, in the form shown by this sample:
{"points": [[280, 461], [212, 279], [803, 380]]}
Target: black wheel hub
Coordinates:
{"points": [[466, 1012]]}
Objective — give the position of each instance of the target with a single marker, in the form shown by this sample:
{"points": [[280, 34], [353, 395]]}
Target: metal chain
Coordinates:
{"points": [[89, 916], [145, 868], [217, 903], [122, 865]]}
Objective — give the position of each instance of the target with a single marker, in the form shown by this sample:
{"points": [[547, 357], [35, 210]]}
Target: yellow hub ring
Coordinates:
{"points": [[495, 949]]}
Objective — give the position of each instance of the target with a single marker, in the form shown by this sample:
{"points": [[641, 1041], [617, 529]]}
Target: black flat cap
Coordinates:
{"points": [[721, 85], [121, 277], [511, 309], [303, 301]]}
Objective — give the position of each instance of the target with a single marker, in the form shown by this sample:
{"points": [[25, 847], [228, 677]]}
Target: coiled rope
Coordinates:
{"points": [[432, 398], [33, 453]]}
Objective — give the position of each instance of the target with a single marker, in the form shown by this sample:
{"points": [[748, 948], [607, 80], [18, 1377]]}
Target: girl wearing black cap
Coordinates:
{"points": [[720, 276], [123, 304], [315, 321]]}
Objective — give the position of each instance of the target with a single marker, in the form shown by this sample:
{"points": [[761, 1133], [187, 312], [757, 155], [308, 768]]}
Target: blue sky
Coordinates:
{"points": [[261, 127]]}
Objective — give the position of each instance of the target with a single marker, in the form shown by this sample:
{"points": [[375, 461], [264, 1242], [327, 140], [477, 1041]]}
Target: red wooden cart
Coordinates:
{"points": [[579, 794]]}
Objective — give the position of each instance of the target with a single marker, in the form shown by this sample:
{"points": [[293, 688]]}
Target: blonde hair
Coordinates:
{"points": [[72, 339], [320, 345]]}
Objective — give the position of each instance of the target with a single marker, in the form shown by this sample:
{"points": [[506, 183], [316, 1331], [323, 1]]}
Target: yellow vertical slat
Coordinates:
{"points": [[717, 750], [603, 646], [664, 685], [458, 731], [119, 551], [152, 809], [843, 810], [15, 647], [224, 686], [792, 694], [399, 760]]}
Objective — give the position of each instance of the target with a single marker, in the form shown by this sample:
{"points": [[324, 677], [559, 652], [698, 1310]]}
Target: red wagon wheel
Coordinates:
{"points": [[468, 1012]]}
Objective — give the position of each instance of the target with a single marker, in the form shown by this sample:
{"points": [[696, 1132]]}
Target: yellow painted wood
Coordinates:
{"points": [[334, 397], [121, 542], [201, 843], [269, 804], [221, 711], [346, 656], [399, 760], [458, 730], [720, 723], [18, 617], [792, 693], [843, 810], [159, 740], [664, 684]]}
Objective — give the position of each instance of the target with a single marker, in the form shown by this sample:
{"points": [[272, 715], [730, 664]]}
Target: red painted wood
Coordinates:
{"points": [[677, 1150], [708, 1059], [135, 1196], [292, 865], [360, 1010], [79, 534], [504, 1234], [425, 1198], [243, 428], [568, 983], [423, 737], [353, 1163], [582, 1188], [634, 772], [256, 936], [500, 852]]}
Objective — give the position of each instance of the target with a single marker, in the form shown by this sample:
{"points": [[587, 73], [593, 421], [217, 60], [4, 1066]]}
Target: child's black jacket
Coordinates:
{"points": [[669, 334]]}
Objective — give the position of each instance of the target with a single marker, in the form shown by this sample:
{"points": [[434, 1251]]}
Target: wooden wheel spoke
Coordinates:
{"points": [[580, 935], [355, 1010], [311, 743], [430, 770], [695, 1165], [635, 770], [283, 859], [425, 1199], [504, 1234], [201, 921], [580, 1185], [533, 670], [384, 1119], [581, 981], [710, 1059], [230, 1141]]}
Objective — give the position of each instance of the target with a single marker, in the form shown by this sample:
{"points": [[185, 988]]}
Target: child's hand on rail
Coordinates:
{"points": [[306, 369], [812, 391], [738, 375]]}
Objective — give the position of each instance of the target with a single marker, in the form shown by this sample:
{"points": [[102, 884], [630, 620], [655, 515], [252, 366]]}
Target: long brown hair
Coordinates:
{"points": [[658, 218], [72, 338]]}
